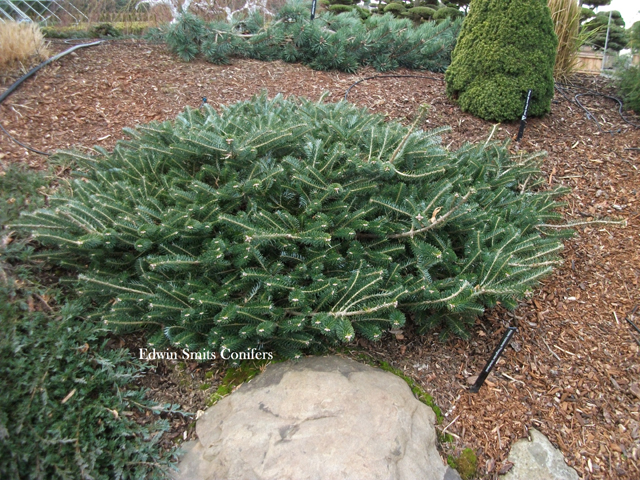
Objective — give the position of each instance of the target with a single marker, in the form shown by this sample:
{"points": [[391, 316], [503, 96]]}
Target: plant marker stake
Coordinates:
{"points": [[523, 120], [606, 43], [313, 9], [475, 388]]}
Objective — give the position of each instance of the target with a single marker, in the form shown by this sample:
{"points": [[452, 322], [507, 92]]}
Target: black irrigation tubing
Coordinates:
{"points": [[590, 93], [31, 72], [31, 149], [389, 76], [620, 105], [628, 319]]}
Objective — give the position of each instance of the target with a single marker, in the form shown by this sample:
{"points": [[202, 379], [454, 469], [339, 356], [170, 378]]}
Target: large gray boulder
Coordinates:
{"points": [[318, 418], [538, 460]]}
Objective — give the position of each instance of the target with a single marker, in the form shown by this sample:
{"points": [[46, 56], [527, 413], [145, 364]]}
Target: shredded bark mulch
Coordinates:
{"points": [[572, 370]]}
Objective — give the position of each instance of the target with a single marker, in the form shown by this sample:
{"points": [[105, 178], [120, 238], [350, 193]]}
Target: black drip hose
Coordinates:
{"points": [[560, 87], [31, 149], [31, 72]]}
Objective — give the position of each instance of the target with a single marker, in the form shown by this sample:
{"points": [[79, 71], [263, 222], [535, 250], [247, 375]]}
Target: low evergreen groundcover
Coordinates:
{"points": [[290, 225]]}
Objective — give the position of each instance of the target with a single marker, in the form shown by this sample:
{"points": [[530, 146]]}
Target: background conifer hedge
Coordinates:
{"points": [[505, 48], [331, 42], [290, 225]]}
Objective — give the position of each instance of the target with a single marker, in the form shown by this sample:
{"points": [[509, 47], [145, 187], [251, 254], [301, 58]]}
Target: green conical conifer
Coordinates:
{"points": [[505, 48]]}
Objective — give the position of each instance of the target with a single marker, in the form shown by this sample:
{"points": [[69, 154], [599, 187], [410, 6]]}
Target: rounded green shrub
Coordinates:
{"points": [[340, 8], [291, 225], [447, 12], [505, 48], [395, 9], [418, 13], [104, 30], [363, 12]]}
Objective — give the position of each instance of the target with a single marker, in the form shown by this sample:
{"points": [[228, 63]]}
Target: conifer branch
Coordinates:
{"points": [[464, 286], [412, 233], [424, 109], [365, 311], [113, 286], [622, 223]]}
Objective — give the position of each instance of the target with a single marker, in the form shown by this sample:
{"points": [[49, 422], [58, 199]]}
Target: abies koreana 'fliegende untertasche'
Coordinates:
{"points": [[291, 225]]}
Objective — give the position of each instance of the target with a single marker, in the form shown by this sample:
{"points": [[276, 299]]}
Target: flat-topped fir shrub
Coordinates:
{"points": [[291, 226]]}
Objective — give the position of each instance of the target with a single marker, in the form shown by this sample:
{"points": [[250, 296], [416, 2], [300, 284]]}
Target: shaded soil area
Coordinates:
{"points": [[572, 370]]}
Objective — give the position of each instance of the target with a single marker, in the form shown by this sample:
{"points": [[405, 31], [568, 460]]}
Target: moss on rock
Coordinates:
{"points": [[466, 464]]}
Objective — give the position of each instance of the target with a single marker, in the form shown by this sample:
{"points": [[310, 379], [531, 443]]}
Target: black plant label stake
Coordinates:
{"points": [[313, 9], [475, 388], [523, 120]]}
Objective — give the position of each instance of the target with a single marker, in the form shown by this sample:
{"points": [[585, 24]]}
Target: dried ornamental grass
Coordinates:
{"points": [[20, 41], [566, 20]]}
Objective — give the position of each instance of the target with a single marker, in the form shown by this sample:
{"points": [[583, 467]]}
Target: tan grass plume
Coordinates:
{"points": [[566, 18], [19, 42]]}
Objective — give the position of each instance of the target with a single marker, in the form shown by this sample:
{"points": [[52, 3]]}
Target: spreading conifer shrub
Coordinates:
{"points": [[628, 85], [290, 226], [331, 42], [505, 49]]}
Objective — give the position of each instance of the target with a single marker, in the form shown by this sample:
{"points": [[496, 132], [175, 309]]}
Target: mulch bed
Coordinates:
{"points": [[572, 370]]}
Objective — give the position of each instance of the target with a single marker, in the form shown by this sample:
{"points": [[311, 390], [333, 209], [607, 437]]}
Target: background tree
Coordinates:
{"points": [[586, 14], [341, 6], [423, 10], [634, 36], [505, 48], [596, 29], [463, 4], [447, 12], [595, 3], [422, 13]]}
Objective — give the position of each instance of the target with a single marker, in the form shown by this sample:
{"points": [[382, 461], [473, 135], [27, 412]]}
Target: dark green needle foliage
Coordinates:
{"points": [[68, 406], [505, 48], [628, 86], [185, 37], [331, 42], [291, 225]]}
